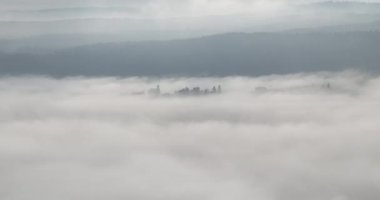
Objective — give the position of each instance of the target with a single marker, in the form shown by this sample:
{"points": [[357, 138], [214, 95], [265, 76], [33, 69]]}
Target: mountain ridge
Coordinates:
{"points": [[216, 55]]}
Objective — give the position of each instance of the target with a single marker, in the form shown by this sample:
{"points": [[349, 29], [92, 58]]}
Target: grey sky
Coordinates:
{"points": [[163, 8], [159, 19], [158, 8]]}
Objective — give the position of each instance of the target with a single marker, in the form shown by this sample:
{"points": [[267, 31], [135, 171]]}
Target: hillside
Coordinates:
{"points": [[218, 55]]}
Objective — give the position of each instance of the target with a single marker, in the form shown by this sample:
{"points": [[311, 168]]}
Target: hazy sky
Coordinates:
{"points": [[187, 16], [162, 19], [164, 8], [156, 8]]}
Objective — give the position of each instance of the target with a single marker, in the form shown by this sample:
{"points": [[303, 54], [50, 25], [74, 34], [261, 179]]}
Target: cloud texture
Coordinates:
{"points": [[90, 138]]}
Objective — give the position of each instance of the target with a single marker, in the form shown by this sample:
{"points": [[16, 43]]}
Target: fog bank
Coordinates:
{"points": [[289, 137]]}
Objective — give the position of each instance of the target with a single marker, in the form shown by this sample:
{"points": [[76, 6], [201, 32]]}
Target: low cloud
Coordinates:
{"points": [[305, 136]]}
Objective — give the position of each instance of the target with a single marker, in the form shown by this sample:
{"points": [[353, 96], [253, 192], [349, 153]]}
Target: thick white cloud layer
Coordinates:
{"points": [[91, 138]]}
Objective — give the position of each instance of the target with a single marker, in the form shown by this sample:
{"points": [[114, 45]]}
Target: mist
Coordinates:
{"points": [[289, 137], [45, 26]]}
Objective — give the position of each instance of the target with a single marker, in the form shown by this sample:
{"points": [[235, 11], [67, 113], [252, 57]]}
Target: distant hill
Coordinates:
{"points": [[345, 5], [373, 26], [218, 55]]}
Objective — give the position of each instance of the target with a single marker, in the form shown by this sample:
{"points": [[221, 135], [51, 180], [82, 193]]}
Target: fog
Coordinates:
{"points": [[289, 137]]}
